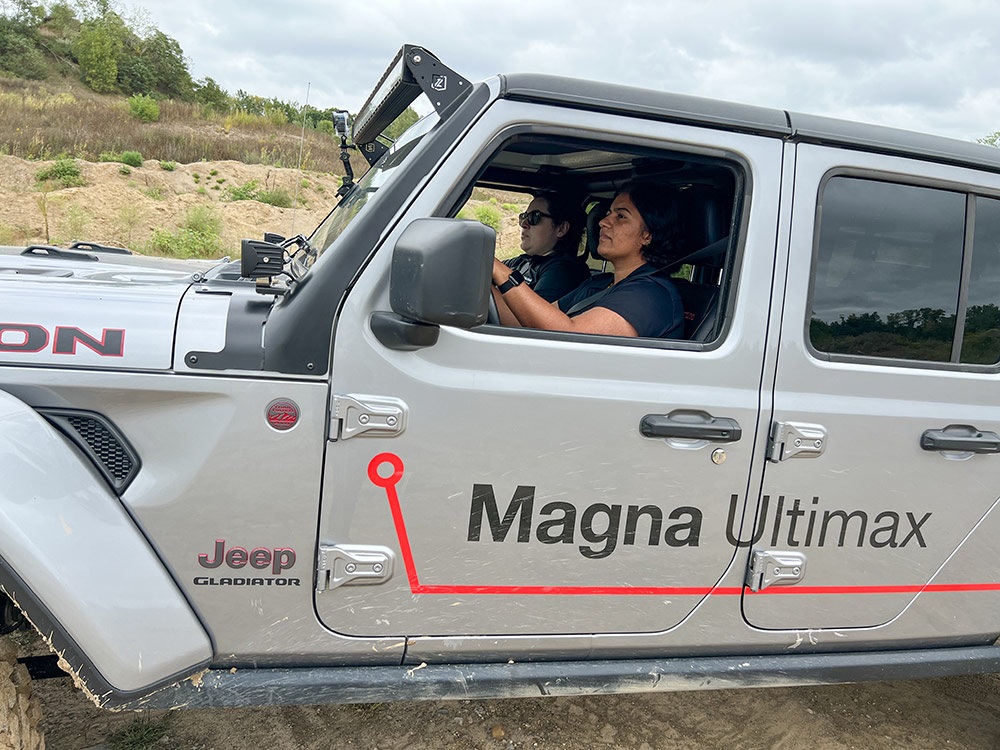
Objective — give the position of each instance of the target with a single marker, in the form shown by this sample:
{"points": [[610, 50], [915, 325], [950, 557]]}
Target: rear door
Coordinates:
{"points": [[508, 487], [885, 401]]}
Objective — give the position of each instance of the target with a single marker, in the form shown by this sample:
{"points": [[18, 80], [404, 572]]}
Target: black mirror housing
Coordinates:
{"points": [[441, 271]]}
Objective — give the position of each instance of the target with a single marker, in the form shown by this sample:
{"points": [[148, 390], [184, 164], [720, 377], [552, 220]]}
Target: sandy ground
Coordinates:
{"points": [[958, 713]]}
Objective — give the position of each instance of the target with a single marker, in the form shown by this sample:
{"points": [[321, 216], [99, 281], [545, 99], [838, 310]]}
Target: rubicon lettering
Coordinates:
{"points": [[791, 525], [30, 338], [602, 527]]}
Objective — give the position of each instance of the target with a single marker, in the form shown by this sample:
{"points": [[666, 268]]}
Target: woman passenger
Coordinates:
{"points": [[638, 237], [551, 227]]}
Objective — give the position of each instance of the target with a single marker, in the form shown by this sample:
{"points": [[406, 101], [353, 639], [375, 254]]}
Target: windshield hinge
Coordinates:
{"points": [[371, 416], [341, 564]]}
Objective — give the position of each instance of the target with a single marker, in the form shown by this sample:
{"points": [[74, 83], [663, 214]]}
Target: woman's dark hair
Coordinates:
{"points": [[659, 207], [565, 206]]}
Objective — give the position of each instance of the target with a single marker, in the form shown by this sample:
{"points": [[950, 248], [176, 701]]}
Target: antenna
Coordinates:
{"points": [[302, 140]]}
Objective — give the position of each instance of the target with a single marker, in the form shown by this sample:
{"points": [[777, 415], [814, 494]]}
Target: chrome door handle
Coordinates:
{"points": [[960, 437]]}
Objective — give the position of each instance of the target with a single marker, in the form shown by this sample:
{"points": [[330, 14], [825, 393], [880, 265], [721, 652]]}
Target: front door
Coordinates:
{"points": [[507, 487]]}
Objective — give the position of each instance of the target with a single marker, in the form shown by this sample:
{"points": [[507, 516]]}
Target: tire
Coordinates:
{"points": [[20, 713]]}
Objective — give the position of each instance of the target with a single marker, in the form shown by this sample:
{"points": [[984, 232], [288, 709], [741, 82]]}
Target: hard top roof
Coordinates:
{"points": [[629, 100]]}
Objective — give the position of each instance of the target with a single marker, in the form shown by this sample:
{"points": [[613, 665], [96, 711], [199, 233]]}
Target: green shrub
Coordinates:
{"points": [[65, 171], [143, 108], [202, 219], [252, 191], [248, 191], [132, 158], [156, 193], [124, 169], [197, 238], [276, 197], [488, 215], [168, 166]]}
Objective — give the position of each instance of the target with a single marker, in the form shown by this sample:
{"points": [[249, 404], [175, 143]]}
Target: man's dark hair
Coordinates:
{"points": [[565, 206]]}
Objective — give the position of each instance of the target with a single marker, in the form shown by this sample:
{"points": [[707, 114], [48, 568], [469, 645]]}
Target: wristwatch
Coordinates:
{"points": [[512, 281]]}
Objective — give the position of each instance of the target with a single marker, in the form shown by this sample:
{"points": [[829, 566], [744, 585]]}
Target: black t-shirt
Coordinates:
{"points": [[648, 300], [551, 276]]}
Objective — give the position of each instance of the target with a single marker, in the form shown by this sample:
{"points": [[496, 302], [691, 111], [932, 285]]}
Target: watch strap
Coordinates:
{"points": [[515, 279]]}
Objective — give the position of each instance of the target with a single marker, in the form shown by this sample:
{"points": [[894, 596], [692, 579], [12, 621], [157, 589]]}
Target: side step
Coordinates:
{"points": [[229, 687]]}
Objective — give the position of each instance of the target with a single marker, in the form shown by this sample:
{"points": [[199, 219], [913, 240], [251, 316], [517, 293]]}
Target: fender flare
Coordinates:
{"points": [[78, 565]]}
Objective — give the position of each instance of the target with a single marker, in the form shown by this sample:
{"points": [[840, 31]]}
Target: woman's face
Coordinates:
{"points": [[623, 232], [541, 238]]}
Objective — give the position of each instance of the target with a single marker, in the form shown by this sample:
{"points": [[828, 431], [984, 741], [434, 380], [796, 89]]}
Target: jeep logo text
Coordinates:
{"points": [[278, 559]]}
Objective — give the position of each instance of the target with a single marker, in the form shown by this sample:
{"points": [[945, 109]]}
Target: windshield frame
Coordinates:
{"points": [[325, 235]]}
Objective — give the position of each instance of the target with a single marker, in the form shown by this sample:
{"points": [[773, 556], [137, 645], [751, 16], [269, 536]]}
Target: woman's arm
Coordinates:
{"points": [[531, 311], [507, 317]]}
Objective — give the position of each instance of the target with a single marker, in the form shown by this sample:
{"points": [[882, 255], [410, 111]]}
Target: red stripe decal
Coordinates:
{"points": [[388, 483]]}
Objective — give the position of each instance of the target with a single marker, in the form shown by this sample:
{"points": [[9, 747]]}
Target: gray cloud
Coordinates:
{"points": [[918, 64]]}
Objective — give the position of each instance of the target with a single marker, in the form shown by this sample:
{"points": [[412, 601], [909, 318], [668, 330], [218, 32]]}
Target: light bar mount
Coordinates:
{"points": [[412, 72]]}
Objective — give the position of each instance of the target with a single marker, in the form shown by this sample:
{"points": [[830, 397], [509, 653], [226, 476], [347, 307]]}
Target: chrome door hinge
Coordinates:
{"points": [[795, 440], [354, 415], [772, 567], [341, 564]]}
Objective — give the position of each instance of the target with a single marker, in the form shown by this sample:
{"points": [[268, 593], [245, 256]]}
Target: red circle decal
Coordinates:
{"points": [[282, 414]]}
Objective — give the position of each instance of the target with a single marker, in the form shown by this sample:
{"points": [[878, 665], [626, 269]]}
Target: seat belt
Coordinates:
{"points": [[588, 301], [713, 249]]}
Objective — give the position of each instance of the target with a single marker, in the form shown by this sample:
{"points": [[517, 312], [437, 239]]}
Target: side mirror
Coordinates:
{"points": [[441, 270], [440, 276]]}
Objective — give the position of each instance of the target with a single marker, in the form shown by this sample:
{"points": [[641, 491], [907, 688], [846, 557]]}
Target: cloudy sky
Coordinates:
{"points": [[929, 66]]}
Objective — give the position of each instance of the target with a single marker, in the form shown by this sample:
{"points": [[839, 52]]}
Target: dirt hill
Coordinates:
{"points": [[124, 206], [119, 208]]}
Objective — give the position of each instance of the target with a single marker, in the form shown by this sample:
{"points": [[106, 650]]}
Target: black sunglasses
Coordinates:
{"points": [[532, 217]]}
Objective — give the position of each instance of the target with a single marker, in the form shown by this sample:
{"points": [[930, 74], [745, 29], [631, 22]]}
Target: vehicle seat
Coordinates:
{"points": [[700, 308], [597, 212]]}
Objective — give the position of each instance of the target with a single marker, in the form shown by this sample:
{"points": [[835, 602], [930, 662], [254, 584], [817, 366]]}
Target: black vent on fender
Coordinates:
{"points": [[101, 441]]}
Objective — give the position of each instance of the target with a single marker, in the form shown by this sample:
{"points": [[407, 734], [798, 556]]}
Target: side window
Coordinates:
{"points": [[562, 176], [981, 340], [888, 272]]}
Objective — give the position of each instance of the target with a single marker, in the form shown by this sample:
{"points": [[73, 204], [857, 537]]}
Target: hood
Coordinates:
{"points": [[81, 309]]}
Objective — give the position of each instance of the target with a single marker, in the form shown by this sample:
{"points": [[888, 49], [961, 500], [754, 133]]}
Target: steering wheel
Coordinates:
{"points": [[492, 314]]}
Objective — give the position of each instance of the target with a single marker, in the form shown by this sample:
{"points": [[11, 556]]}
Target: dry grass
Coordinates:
{"points": [[42, 121]]}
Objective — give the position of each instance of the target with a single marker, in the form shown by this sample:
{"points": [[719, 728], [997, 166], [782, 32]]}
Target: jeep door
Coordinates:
{"points": [[498, 483], [883, 477]]}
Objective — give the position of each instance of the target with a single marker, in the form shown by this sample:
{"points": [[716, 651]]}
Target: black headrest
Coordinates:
{"points": [[597, 212]]}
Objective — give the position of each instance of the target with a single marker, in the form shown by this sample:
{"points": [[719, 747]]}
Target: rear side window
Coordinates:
{"points": [[889, 270], [981, 340]]}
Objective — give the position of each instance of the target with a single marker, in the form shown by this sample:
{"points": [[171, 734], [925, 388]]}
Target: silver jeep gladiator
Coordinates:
{"points": [[298, 477]]}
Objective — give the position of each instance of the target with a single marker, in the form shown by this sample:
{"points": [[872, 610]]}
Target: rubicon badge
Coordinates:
{"points": [[282, 414]]}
